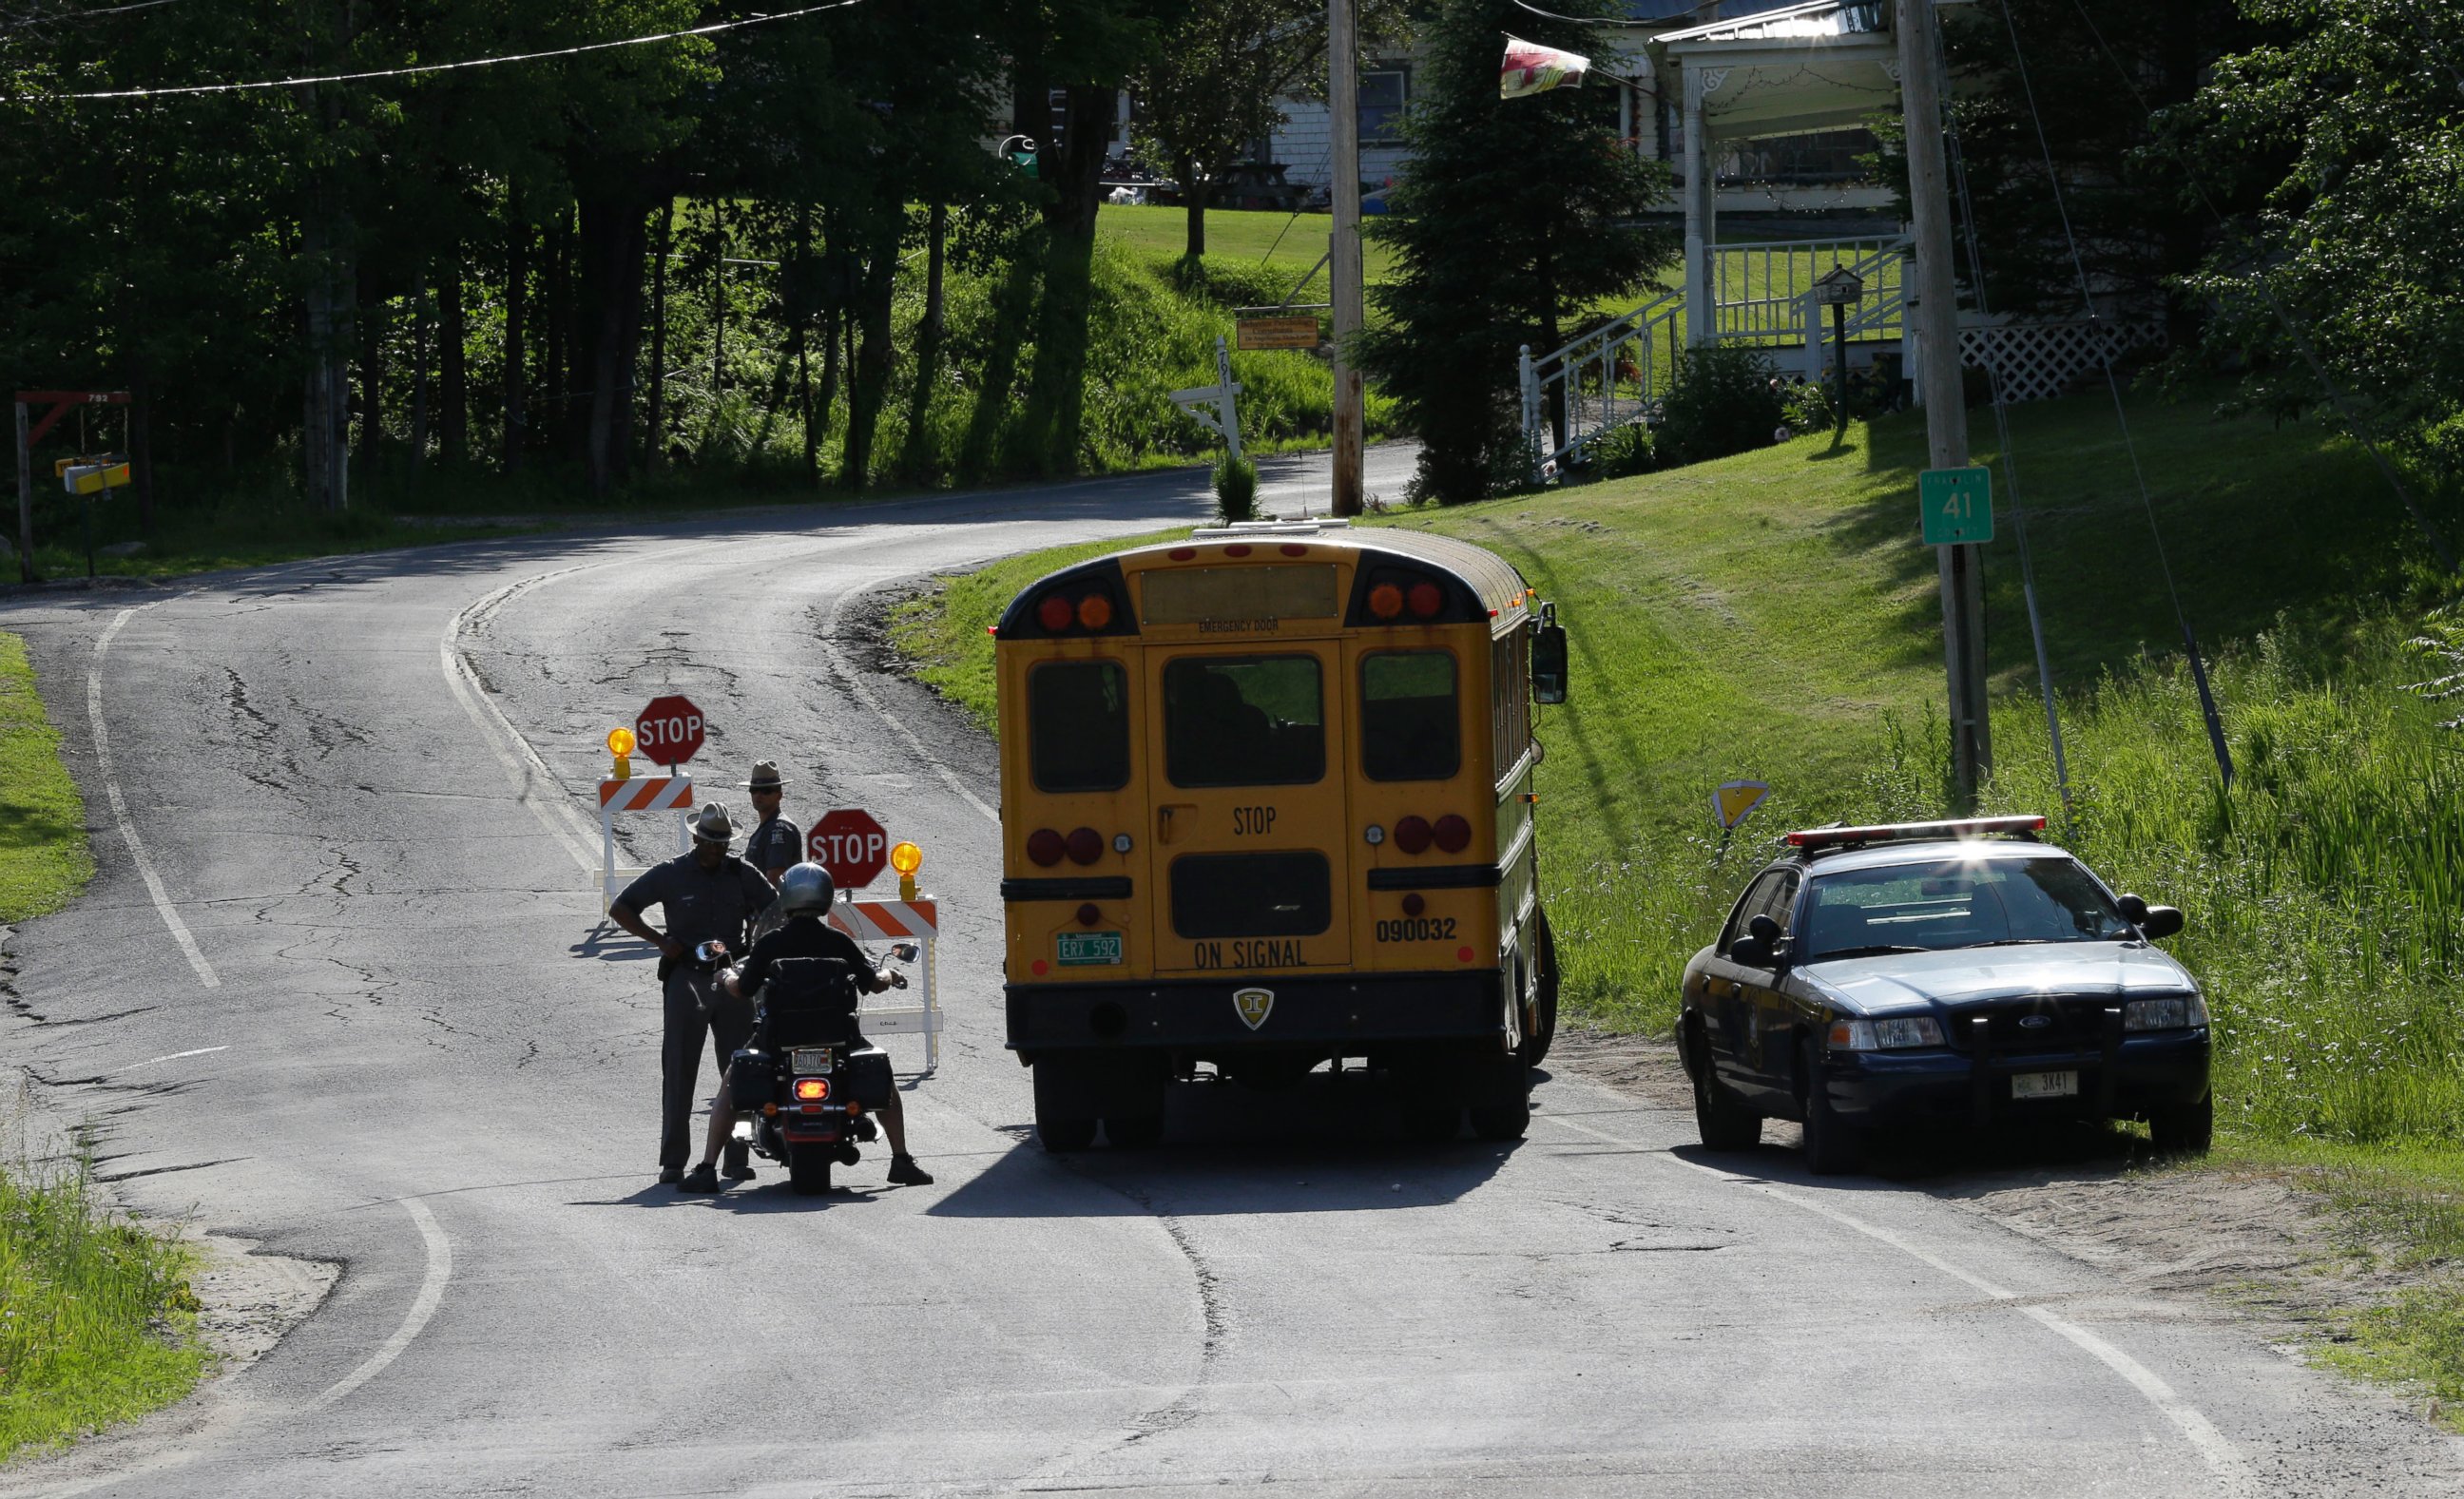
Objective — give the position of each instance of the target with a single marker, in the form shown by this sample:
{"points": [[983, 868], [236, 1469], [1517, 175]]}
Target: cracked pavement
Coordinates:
{"points": [[420, 1024]]}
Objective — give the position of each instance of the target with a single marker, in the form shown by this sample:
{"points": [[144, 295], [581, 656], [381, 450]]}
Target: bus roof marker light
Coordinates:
{"points": [[1293, 549], [1054, 613], [1182, 554], [1237, 549]]}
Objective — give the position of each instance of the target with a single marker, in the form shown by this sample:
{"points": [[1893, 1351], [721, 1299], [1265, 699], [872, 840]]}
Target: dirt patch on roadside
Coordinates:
{"points": [[2264, 1240]]}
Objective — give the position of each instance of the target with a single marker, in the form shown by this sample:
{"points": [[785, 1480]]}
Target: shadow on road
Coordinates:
{"points": [[1954, 1166], [1326, 1145]]}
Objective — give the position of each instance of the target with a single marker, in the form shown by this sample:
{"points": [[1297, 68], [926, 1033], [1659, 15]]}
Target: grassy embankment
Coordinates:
{"points": [[96, 1319], [1773, 616]]}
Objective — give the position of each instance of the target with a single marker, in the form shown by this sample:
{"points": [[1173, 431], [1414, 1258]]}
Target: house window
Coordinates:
{"points": [[1381, 105]]}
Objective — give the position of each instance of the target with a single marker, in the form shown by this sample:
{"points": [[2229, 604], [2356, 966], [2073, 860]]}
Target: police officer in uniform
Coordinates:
{"points": [[706, 895], [775, 846]]}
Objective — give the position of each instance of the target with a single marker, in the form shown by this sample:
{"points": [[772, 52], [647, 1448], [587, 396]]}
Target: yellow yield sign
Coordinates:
{"points": [[1735, 799]]}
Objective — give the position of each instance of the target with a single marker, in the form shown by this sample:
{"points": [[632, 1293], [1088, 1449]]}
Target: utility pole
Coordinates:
{"points": [[1343, 267], [1936, 318]]}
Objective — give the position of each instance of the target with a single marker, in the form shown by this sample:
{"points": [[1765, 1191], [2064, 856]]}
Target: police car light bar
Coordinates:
{"points": [[1904, 832]]}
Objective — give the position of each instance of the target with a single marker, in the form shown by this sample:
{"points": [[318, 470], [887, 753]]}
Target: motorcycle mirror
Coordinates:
{"points": [[711, 952], [905, 952]]}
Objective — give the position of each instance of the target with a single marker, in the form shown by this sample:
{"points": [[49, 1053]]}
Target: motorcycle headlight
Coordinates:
{"points": [[2180, 1013], [1889, 1033]]}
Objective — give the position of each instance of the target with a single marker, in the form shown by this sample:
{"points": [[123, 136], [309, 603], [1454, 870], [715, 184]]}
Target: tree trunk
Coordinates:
{"points": [[937, 237], [453, 370], [718, 302], [1194, 191], [517, 270], [654, 439], [373, 326], [800, 313], [1074, 171], [326, 407], [869, 377], [556, 315], [419, 326], [610, 252]]}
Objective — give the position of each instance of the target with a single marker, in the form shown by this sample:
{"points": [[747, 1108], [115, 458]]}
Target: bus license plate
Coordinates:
{"points": [[2045, 1085], [1089, 949]]}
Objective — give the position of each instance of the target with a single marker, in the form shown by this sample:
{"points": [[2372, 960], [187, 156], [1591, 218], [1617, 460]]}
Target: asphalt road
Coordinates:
{"points": [[355, 1004]]}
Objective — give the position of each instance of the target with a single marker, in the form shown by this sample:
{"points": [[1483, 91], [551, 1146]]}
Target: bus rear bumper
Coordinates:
{"points": [[1204, 1014]]}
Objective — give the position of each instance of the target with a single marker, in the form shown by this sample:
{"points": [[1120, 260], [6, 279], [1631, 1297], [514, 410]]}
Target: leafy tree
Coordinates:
{"points": [[1515, 216], [2352, 258], [2093, 69], [1214, 86]]}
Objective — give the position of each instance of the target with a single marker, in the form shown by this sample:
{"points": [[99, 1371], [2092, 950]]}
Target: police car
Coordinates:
{"points": [[1948, 975]]}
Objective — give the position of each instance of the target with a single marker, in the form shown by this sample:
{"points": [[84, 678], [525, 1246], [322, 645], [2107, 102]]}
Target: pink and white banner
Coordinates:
{"points": [[1531, 68]]}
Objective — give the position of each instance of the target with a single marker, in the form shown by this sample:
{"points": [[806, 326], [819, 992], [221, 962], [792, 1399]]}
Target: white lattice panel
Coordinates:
{"points": [[2040, 360]]}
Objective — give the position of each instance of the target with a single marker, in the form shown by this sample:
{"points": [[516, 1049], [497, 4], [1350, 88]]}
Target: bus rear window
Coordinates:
{"points": [[1078, 726], [1243, 721], [1407, 716]]}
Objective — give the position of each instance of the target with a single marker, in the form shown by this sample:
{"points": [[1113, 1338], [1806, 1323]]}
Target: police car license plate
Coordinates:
{"points": [[2045, 1085], [809, 1059]]}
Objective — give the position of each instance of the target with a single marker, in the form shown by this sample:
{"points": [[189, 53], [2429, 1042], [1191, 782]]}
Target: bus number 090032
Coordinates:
{"points": [[1417, 929]]}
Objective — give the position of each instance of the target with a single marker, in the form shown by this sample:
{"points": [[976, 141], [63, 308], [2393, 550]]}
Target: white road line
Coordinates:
{"points": [[528, 772], [864, 695], [2222, 1457], [431, 1293], [173, 1057], [119, 807]]}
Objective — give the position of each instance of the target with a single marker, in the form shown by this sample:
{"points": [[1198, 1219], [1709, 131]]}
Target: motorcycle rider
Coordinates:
{"points": [[805, 895], [708, 896]]}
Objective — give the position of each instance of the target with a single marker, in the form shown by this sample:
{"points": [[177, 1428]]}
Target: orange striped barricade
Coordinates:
{"points": [[639, 794], [916, 921]]}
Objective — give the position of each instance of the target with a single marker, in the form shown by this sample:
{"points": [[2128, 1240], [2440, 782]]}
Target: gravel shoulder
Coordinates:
{"points": [[2222, 1236]]}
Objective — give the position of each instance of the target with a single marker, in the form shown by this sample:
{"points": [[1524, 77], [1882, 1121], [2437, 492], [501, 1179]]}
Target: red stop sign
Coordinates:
{"points": [[668, 731], [850, 845]]}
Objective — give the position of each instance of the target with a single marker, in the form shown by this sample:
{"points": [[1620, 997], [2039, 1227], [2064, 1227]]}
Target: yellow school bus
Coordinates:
{"points": [[1266, 803]]}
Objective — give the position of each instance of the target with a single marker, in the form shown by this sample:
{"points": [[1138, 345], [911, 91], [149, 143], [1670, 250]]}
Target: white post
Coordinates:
{"points": [[1701, 316], [1810, 307], [1344, 288], [1230, 403], [1531, 411]]}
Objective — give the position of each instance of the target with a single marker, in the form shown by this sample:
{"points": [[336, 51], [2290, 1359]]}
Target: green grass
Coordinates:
{"points": [[43, 858], [97, 1320]]}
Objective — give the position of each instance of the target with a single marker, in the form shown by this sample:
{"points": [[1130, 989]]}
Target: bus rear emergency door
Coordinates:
{"points": [[1247, 759]]}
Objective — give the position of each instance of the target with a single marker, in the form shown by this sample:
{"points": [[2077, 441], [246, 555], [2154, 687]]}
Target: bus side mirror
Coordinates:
{"points": [[1549, 665]]}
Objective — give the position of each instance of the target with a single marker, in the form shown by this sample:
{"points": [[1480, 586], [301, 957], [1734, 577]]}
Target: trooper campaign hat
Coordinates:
{"points": [[712, 825], [765, 777]]}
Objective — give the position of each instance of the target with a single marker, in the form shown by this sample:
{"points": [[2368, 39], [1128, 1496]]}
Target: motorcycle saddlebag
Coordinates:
{"points": [[751, 1079], [867, 1077]]}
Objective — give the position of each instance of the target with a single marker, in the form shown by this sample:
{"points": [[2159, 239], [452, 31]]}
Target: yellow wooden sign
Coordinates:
{"points": [[1297, 332], [1735, 799]]}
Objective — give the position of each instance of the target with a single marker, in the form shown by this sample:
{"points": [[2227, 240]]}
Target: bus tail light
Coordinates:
{"points": [[1386, 601], [1045, 846], [1411, 834], [1426, 600], [1094, 611], [1453, 833], [1054, 613], [1085, 845]]}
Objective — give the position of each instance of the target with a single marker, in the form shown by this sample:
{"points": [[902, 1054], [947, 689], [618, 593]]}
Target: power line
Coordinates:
{"points": [[85, 15], [441, 67], [2120, 416]]}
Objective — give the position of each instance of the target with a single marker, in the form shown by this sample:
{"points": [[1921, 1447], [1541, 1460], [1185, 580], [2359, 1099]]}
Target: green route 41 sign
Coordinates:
{"points": [[1957, 505]]}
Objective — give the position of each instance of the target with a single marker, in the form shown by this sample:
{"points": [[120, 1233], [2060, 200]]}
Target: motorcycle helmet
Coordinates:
{"points": [[805, 887]]}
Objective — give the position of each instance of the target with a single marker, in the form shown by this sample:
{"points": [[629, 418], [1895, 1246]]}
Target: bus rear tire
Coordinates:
{"points": [[1544, 994], [1502, 1122], [1062, 1120], [1432, 1122]]}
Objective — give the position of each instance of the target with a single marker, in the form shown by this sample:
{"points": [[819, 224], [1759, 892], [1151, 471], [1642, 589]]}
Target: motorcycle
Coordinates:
{"points": [[807, 1092]]}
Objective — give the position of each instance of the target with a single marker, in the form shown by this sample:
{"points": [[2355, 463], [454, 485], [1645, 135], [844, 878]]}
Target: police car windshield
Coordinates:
{"points": [[1953, 903]]}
